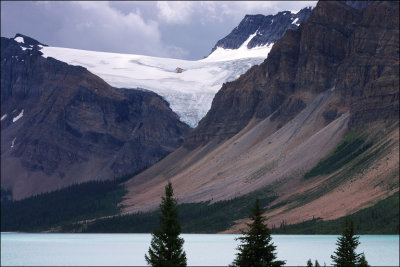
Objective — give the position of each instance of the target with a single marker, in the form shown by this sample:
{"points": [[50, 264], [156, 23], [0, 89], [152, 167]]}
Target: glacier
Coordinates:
{"points": [[189, 93]]}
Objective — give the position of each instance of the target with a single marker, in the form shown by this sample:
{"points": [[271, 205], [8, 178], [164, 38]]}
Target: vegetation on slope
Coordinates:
{"points": [[202, 217], [62, 210], [381, 218], [77, 202], [95, 199], [350, 148], [361, 153]]}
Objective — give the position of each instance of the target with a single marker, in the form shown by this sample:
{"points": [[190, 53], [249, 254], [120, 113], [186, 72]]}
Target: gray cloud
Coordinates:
{"points": [[168, 29]]}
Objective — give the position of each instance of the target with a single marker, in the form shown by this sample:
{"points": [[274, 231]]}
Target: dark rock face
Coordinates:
{"points": [[369, 77], [353, 51], [72, 120], [358, 4], [269, 29]]}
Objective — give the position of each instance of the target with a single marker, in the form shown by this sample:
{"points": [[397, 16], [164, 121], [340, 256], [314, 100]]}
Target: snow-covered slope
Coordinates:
{"points": [[225, 54], [189, 93], [189, 86]]}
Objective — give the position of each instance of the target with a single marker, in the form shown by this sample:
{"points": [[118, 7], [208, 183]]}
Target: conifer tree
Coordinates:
{"points": [[363, 261], [345, 254], [309, 263], [166, 247], [256, 248]]}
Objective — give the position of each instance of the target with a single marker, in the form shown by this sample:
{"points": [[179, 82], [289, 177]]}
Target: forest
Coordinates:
{"points": [[65, 210]]}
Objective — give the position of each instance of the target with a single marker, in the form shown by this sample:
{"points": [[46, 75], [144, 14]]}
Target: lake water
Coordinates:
{"points": [[201, 249]]}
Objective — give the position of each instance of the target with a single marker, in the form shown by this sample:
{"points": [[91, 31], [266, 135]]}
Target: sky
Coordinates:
{"points": [[184, 30]]}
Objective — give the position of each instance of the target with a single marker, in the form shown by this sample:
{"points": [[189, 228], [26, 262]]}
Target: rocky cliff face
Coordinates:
{"points": [[369, 75], [269, 29], [358, 4], [61, 124], [353, 51], [279, 120]]}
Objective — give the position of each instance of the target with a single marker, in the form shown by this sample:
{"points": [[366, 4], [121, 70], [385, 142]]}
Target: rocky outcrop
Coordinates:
{"points": [[269, 29], [27, 42], [352, 51], [61, 124]]}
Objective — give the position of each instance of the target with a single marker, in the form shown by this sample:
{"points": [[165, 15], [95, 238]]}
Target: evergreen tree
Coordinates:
{"points": [[309, 263], [256, 248], [345, 254], [363, 261], [166, 247]]}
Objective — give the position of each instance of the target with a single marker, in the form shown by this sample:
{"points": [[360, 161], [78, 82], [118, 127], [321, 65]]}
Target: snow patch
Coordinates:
{"points": [[13, 142], [308, 7], [4, 116], [24, 48], [19, 116], [19, 39], [295, 22], [222, 54]]}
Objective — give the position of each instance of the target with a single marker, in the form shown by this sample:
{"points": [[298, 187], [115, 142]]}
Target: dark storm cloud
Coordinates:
{"points": [[169, 29]]}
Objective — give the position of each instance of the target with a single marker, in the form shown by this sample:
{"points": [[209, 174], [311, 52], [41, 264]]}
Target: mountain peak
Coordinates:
{"points": [[266, 29], [23, 39]]}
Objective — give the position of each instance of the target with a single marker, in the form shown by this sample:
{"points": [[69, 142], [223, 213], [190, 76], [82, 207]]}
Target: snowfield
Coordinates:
{"points": [[189, 93]]}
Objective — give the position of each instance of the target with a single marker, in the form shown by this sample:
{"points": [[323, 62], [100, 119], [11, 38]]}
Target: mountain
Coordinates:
{"points": [[55, 137], [312, 132], [61, 124], [190, 90], [315, 126], [269, 89], [265, 30]]}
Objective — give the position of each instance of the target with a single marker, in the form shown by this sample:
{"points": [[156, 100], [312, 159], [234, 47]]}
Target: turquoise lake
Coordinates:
{"points": [[50, 249]]}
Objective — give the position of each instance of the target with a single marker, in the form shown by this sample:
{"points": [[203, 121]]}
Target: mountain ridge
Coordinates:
{"points": [[268, 29], [264, 88], [269, 127]]}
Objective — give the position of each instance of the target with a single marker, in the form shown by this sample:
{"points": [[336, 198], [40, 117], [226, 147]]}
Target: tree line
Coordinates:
{"points": [[57, 208], [256, 248], [205, 217], [62, 209]]}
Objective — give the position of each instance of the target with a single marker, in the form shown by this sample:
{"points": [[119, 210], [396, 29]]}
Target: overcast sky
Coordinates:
{"points": [[187, 30]]}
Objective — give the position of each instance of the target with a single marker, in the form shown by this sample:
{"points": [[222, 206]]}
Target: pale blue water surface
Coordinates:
{"points": [[49, 249]]}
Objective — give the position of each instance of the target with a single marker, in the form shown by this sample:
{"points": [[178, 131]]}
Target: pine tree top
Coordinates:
{"points": [[256, 248], [345, 254], [166, 247]]}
